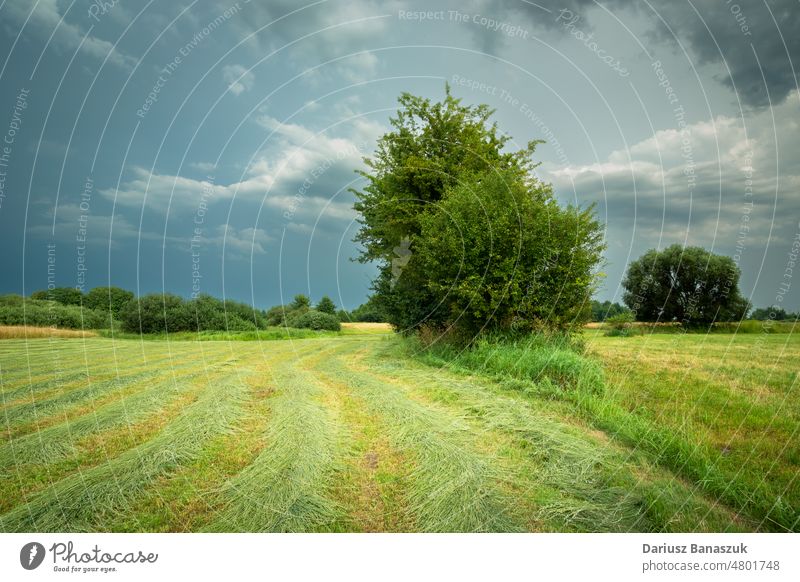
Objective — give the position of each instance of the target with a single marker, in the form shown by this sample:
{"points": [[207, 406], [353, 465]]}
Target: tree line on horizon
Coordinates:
{"points": [[69, 308], [117, 308]]}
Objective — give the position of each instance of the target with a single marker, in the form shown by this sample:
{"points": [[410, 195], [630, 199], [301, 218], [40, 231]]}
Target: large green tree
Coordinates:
{"points": [[500, 253], [688, 285], [423, 213], [430, 146]]}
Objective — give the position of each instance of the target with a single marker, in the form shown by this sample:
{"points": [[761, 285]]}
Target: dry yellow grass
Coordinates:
{"points": [[23, 332], [367, 327]]}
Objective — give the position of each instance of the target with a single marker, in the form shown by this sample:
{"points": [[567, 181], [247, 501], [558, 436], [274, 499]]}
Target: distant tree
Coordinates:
{"points": [[601, 311], [107, 299], [157, 313], [300, 301], [326, 305], [687, 285], [369, 311], [276, 315], [62, 295], [774, 313], [16, 310]]}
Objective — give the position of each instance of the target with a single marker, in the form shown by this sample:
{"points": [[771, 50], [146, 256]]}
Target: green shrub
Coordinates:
{"points": [[62, 295], [245, 312], [318, 320], [16, 310], [370, 311], [606, 309], [549, 362], [157, 313], [236, 323], [620, 324], [107, 299]]}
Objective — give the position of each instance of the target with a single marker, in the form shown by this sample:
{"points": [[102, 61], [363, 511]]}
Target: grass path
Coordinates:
{"points": [[327, 434]]}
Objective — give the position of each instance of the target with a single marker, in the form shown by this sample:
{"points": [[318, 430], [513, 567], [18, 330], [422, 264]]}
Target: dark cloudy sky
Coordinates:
{"points": [[219, 138]]}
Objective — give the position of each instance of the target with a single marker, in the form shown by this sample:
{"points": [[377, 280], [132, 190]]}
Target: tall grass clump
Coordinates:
{"points": [[548, 360]]}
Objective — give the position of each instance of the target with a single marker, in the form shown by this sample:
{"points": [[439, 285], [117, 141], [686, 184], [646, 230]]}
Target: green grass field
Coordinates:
{"points": [[361, 432]]}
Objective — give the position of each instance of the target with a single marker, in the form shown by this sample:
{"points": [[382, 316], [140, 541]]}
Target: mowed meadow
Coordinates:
{"points": [[366, 431]]}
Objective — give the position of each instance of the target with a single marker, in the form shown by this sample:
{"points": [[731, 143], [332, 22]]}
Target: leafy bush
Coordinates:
{"points": [[156, 313], [606, 309], [251, 317], [620, 325], [16, 310], [276, 316], [318, 320], [236, 323], [107, 299], [211, 313], [369, 312], [62, 295], [281, 315], [500, 254]]}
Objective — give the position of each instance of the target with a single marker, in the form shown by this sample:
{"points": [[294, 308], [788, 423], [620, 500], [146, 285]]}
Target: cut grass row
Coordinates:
{"points": [[285, 488], [452, 485], [634, 408], [574, 478], [87, 500]]}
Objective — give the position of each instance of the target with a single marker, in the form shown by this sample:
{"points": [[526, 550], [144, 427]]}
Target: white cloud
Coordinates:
{"points": [[238, 78], [297, 176], [45, 19], [241, 242], [160, 191], [203, 166], [691, 185]]}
